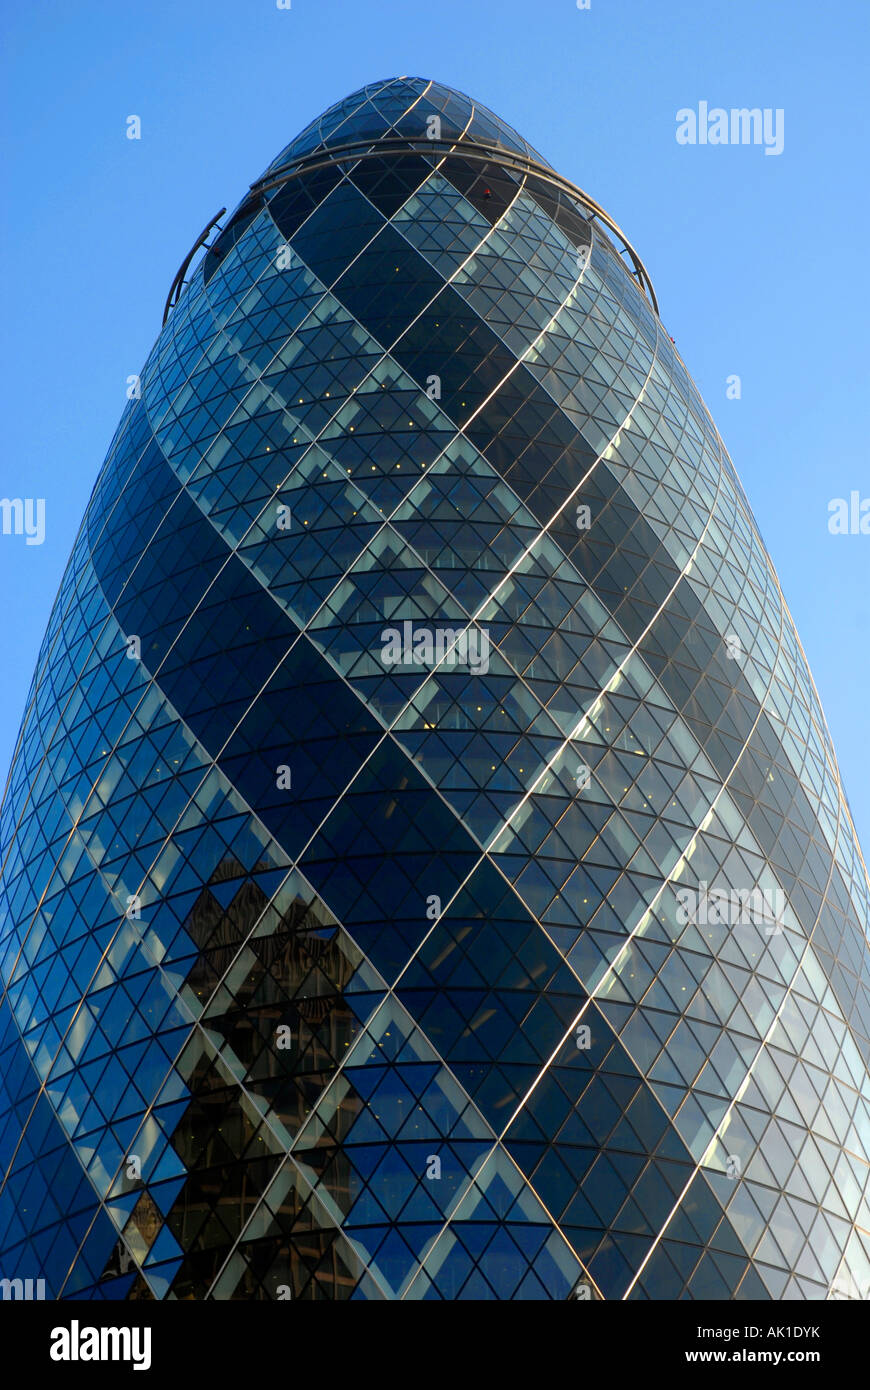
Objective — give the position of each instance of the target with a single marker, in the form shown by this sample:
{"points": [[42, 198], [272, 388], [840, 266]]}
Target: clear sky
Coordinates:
{"points": [[760, 262]]}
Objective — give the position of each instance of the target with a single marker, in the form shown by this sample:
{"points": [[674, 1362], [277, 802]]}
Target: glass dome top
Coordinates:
{"points": [[402, 107]]}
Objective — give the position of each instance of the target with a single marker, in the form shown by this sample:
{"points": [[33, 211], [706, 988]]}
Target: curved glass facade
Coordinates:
{"points": [[426, 872]]}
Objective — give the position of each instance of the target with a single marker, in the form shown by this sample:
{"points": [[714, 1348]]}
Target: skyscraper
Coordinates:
{"points": [[426, 872]]}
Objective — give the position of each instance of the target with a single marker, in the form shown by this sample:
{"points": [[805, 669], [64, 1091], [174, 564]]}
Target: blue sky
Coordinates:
{"points": [[759, 262]]}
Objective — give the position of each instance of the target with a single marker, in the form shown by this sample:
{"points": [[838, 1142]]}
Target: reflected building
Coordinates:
{"points": [[426, 872]]}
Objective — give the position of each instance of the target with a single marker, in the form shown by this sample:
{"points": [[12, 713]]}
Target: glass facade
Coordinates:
{"points": [[426, 872]]}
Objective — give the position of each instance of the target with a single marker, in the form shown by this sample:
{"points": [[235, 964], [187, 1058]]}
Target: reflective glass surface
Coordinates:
{"points": [[521, 954]]}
